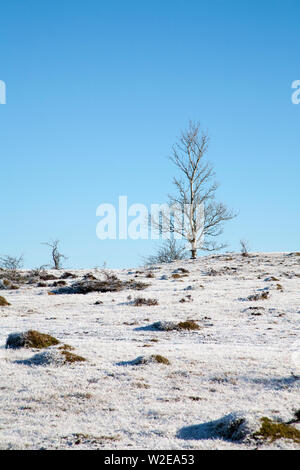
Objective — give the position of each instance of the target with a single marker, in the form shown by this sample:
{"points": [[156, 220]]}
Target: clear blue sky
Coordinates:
{"points": [[97, 92]]}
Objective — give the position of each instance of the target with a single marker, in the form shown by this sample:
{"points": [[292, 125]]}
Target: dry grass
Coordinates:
{"points": [[110, 283], [262, 296], [272, 431], [70, 357], [172, 326], [188, 325], [31, 339], [66, 347], [3, 302], [81, 438], [139, 301], [160, 359], [9, 285]]}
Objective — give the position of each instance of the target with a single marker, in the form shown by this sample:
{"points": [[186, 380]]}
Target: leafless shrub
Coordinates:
{"points": [[170, 251], [244, 248], [11, 263], [10, 267]]}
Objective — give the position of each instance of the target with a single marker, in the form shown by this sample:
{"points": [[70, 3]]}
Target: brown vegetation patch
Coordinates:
{"points": [[66, 347], [188, 325], [70, 357], [262, 296], [178, 276], [30, 339], [3, 302], [160, 359], [110, 283], [139, 301], [272, 431]]}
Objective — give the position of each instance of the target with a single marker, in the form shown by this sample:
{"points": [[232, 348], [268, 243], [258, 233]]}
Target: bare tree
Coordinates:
{"points": [[168, 252], [244, 248], [194, 202], [11, 262], [57, 257]]}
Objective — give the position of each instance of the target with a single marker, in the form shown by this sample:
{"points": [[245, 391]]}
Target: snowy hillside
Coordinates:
{"points": [[241, 362]]}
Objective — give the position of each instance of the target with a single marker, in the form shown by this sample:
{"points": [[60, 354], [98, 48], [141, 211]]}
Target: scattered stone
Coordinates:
{"points": [[165, 326], [234, 427]]}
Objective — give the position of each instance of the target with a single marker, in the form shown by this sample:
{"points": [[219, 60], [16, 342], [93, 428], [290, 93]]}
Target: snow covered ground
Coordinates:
{"points": [[240, 360]]}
